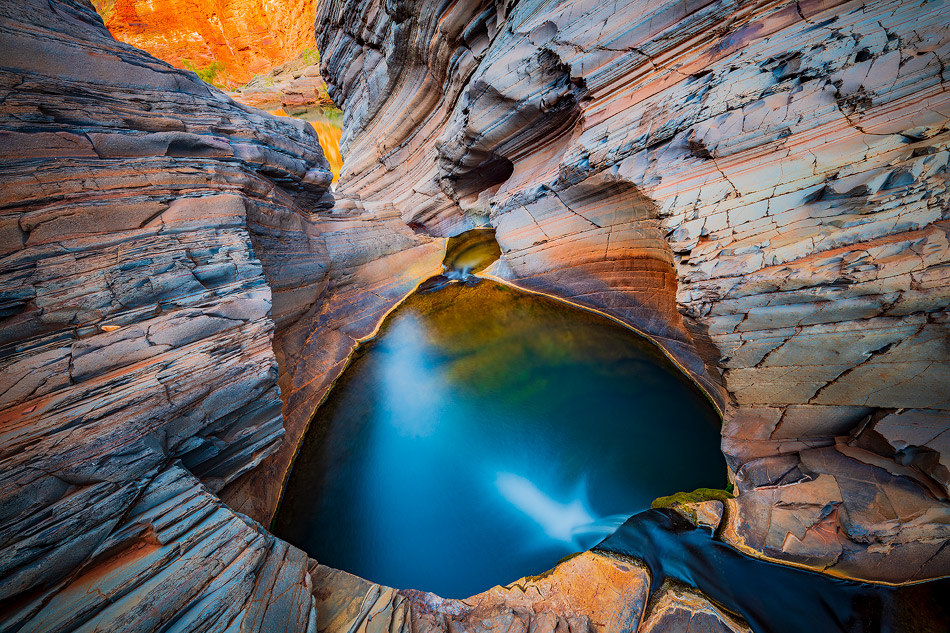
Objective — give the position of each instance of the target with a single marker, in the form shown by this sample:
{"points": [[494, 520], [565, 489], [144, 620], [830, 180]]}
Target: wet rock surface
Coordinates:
{"points": [[481, 423], [680, 546]]}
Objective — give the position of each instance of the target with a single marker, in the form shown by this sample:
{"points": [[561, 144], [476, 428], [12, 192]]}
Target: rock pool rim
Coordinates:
{"points": [[362, 346], [507, 283], [599, 548], [498, 351]]}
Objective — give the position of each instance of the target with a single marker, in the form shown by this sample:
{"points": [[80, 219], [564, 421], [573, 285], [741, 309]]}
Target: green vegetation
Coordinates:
{"points": [[215, 73], [564, 559], [332, 113], [105, 9], [310, 56], [700, 494]]}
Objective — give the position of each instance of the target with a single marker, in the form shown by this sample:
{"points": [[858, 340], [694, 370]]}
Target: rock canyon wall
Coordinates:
{"points": [[761, 187], [156, 237]]}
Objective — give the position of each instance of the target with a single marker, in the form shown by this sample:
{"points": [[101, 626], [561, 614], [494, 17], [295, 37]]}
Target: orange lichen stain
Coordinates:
{"points": [[120, 560], [110, 328], [124, 562]]}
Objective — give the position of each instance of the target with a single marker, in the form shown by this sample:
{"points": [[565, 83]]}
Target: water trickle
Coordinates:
{"points": [[772, 597], [465, 255]]}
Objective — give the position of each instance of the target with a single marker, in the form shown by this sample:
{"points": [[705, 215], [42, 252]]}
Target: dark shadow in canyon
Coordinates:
{"points": [[774, 598]]}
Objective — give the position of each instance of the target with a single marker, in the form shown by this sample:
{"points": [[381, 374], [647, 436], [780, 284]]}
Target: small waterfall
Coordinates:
{"points": [[571, 522]]}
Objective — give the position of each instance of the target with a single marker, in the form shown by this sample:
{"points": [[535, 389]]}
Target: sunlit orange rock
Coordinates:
{"points": [[232, 40]]}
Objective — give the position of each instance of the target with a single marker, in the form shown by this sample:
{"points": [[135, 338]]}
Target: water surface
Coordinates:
{"points": [[775, 598], [486, 433]]}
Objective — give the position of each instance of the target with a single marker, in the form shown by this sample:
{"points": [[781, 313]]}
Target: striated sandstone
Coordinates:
{"points": [[590, 592], [264, 52], [159, 241], [680, 609], [140, 290], [761, 187]]}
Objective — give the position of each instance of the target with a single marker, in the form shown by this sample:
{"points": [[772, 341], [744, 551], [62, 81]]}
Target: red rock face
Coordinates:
{"points": [[246, 37]]}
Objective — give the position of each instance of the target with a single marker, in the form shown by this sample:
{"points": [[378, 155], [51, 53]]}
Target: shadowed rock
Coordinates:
{"points": [[760, 188]]}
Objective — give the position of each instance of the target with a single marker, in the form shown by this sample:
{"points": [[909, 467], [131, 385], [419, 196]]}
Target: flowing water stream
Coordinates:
{"points": [[775, 598]]}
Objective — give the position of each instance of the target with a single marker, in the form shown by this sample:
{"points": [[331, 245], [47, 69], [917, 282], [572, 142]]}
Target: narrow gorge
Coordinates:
{"points": [[709, 238]]}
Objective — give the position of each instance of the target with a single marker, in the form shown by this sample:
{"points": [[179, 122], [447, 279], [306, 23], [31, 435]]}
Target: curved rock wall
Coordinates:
{"points": [[152, 233], [759, 186]]}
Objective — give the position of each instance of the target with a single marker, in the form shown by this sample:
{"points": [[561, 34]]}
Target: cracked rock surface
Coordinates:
{"points": [[164, 255], [759, 186]]}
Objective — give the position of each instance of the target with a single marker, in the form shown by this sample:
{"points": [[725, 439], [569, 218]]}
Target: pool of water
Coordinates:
{"points": [[484, 434]]}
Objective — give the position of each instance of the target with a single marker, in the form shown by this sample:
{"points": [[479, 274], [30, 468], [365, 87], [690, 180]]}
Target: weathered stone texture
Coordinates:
{"points": [[679, 609], [440, 111], [376, 261], [590, 592], [153, 233], [177, 560], [170, 260], [759, 186]]}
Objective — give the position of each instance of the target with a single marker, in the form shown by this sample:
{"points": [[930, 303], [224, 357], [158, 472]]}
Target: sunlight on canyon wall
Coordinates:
{"points": [[228, 42], [262, 51]]}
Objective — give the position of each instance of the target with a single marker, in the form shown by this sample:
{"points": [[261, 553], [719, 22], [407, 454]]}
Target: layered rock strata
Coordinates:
{"points": [[264, 52], [158, 242], [760, 186]]}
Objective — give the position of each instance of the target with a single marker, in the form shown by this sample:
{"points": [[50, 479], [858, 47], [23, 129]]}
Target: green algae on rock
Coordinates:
{"points": [[696, 496]]}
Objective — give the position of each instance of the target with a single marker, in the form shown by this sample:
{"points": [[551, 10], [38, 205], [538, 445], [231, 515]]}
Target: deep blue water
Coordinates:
{"points": [[485, 434]]}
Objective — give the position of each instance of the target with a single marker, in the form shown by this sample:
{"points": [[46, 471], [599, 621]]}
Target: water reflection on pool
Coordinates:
{"points": [[486, 433]]}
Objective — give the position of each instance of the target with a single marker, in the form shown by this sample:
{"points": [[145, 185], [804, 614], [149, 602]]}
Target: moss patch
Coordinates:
{"points": [[700, 494]]}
